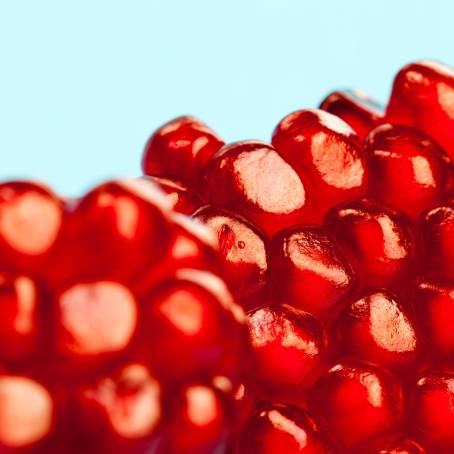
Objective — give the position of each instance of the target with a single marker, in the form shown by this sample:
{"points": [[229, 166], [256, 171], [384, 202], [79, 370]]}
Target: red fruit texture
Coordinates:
{"points": [[356, 108], [111, 309], [337, 240]]}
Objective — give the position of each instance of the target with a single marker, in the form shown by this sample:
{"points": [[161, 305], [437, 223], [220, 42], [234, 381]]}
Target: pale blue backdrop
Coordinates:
{"points": [[83, 83]]}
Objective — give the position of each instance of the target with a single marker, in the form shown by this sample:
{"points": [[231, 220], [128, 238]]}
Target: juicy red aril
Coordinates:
{"points": [[253, 180], [85, 316], [433, 302], [433, 413], [124, 223], [199, 421], [30, 224], [438, 234], [180, 149], [26, 413], [20, 328], [377, 328], [245, 252], [422, 97], [407, 169], [186, 329], [288, 349], [376, 238], [358, 110], [309, 270], [180, 197], [281, 428], [122, 412], [327, 155], [358, 402]]}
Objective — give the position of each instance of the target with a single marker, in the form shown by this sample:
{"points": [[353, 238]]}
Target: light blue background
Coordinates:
{"points": [[83, 83]]}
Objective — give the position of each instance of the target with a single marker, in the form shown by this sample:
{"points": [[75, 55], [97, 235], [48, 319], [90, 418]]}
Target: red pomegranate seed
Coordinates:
{"points": [[309, 270], [422, 97], [377, 240], [30, 224], [433, 302], [357, 109], [288, 350], [245, 252], [433, 412], [180, 197], [180, 149], [378, 328], [253, 180], [438, 233], [281, 428], [327, 155], [407, 169], [405, 446], [358, 402]]}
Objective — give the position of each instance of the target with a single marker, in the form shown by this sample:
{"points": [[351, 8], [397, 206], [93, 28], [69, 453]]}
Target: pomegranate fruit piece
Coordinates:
{"points": [[251, 179], [199, 421], [407, 169], [245, 252], [422, 97], [31, 218], [309, 270], [281, 428], [406, 446], [438, 234], [327, 155], [180, 149], [378, 328], [433, 413], [288, 349], [20, 327], [180, 197], [433, 302], [358, 110], [377, 239], [358, 402], [122, 412]]}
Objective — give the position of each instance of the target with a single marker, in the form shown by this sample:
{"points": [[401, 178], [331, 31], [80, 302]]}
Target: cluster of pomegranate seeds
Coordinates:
{"points": [[338, 240], [116, 334]]}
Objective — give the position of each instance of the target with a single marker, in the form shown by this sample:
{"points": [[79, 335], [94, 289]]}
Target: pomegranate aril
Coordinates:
{"points": [[377, 239], [433, 412], [245, 252], [433, 301], [250, 178], [422, 97], [122, 412], [438, 234], [327, 155], [27, 414], [357, 109], [407, 169], [358, 402], [181, 197], [31, 218], [199, 420], [187, 331], [281, 428], [309, 270], [180, 149], [289, 348], [120, 220], [95, 323], [378, 328], [20, 328]]}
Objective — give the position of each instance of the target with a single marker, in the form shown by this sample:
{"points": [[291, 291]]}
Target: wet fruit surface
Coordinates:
{"points": [[305, 306], [338, 240]]}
